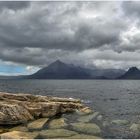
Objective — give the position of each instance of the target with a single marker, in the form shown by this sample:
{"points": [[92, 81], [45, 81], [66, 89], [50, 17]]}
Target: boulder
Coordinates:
{"points": [[21, 108], [135, 128], [87, 128], [13, 114], [1, 130], [19, 135], [120, 122], [19, 128], [88, 118], [84, 111], [105, 124], [100, 118], [57, 123], [37, 124], [56, 133]]}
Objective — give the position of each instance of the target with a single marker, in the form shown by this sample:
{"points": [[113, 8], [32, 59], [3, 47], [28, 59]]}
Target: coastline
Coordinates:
{"points": [[27, 116], [35, 116]]}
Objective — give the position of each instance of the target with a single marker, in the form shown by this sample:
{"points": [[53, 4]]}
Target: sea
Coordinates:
{"points": [[114, 99]]}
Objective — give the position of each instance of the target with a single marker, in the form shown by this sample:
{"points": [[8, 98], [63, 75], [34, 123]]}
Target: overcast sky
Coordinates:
{"points": [[91, 34]]}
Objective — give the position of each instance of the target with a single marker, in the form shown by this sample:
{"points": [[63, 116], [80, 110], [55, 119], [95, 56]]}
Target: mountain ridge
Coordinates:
{"points": [[61, 70], [132, 73]]}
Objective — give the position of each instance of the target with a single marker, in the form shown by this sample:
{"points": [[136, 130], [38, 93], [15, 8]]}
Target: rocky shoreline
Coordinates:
{"points": [[21, 108], [24, 116]]}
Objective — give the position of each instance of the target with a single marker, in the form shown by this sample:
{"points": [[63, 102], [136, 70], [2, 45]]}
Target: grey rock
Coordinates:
{"points": [[87, 128], [88, 118], [120, 122], [100, 118], [56, 133]]}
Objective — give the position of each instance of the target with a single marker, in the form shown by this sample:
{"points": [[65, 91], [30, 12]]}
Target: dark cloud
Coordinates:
{"points": [[13, 5], [47, 27], [131, 8], [37, 33]]}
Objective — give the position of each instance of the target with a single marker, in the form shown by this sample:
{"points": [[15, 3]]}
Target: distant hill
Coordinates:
{"points": [[107, 73], [60, 70], [132, 73]]}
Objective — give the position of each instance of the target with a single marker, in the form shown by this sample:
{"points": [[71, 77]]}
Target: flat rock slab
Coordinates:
{"points": [[56, 133], [87, 128], [19, 128], [88, 118], [120, 122], [57, 123], [21, 108], [37, 124], [84, 111], [19, 135]]}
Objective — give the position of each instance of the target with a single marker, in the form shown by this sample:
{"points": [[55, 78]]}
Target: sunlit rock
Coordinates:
{"points": [[21, 108], [84, 111], [37, 124], [13, 114], [19, 128], [19, 135], [57, 123]]}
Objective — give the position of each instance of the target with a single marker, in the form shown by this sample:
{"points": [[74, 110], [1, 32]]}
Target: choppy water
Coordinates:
{"points": [[114, 99]]}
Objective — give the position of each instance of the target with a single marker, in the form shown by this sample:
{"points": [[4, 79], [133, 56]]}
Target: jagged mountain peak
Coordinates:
{"points": [[132, 73], [60, 70], [57, 62], [133, 69]]}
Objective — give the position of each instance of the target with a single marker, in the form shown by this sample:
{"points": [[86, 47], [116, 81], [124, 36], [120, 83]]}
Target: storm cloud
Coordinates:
{"points": [[92, 34]]}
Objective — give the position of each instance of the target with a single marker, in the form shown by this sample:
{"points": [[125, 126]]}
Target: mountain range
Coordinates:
{"points": [[60, 70]]}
